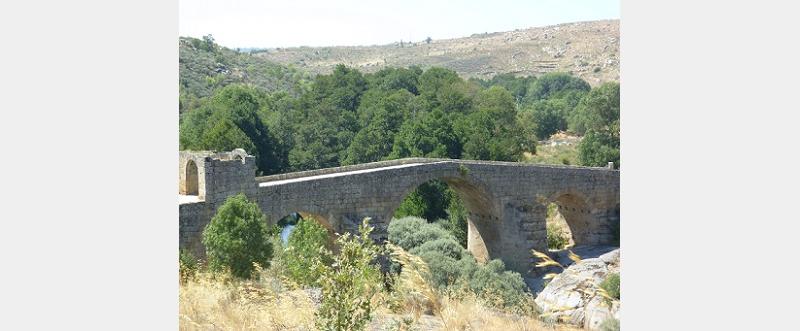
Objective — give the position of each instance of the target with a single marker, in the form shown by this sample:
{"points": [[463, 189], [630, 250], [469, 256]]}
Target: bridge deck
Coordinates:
{"points": [[338, 174], [399, 163]]}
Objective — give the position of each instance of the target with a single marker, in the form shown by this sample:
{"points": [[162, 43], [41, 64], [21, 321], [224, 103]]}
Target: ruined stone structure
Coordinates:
{"points": [[506, 201]]}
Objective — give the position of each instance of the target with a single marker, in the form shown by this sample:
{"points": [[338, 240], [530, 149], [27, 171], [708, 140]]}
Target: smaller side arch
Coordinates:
{"points": [[577, 213], [191, 182]]}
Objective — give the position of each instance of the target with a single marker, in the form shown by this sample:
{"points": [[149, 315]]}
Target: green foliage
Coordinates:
{"points": [[237, 237], [556, 85], [456, 221], [599, 110], [599, 147], [610, 324], [226, 136], [349, 282], [452, 267], [430, 135], [429, 201], [201, 61], [303, 246], [231, 119], [410, 232], [611, 285], [445, 245], [518, 86], [556, 237], [188, 265], [550, 117], [492, 132], [493, 280]]}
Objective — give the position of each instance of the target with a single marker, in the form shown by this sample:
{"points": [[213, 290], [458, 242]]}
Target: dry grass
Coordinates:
{"points": [[471, 314], [220, 303], [560, 149]]}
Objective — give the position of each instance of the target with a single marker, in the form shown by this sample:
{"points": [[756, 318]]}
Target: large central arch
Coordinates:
{"points": [[483, 238]]}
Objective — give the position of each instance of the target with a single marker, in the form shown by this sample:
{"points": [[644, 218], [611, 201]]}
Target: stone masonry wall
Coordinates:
{"points": [[506, 201]]}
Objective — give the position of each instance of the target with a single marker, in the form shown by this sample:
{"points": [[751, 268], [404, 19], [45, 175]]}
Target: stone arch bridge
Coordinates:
{"points": [[506, 201]]}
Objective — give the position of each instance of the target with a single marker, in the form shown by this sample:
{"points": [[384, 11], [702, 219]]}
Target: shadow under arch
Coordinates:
{"points": [[576, 211], [483, 222]]}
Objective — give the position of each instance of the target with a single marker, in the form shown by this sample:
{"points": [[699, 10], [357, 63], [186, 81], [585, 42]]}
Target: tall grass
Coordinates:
{"points": [[219, 302]]}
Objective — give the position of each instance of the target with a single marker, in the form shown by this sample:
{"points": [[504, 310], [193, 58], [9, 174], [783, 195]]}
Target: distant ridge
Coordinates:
{"points": [[589, 50]]}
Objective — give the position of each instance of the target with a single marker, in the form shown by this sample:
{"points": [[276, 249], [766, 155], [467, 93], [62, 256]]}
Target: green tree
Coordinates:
{"points": [[303, 247], [598, 110], [226, 136], [493, 132], [431, 135], [381, 114], [549, 115], [237, 237], [554, 86], [233, 105], [392, 79], [429, 201], [597, 148]]}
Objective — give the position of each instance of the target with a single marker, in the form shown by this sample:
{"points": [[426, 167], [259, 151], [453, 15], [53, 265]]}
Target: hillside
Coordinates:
{"points": [[589, 50], [205, 67]]}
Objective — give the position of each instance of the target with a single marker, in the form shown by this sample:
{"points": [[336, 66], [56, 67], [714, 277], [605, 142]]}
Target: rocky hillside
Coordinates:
{"points": [[589, 50]]}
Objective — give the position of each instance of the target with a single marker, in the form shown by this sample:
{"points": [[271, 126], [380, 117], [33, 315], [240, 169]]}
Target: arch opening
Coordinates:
{"points": [[191, 179], [568, 218], [288, 223], [462, 208]]}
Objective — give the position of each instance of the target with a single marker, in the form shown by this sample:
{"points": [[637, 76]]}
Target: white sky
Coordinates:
{"points": [[261, 23]]}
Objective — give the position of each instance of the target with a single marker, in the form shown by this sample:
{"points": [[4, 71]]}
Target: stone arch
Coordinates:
{"points": [[191, 182], [483, 221], [577, 213], [319, 219]]}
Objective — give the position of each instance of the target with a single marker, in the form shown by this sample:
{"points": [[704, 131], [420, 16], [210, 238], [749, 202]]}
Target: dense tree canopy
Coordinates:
{"points": [[348, 117]]}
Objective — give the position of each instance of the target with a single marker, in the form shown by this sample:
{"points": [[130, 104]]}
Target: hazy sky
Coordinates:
{"points": [[261, 23]]}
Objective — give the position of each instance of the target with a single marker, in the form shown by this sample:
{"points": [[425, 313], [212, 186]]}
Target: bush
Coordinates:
{"points": [[410, 232], [452, 267], [507, 288], [611, 285], [446, 246], [349, 283], [556, 237], [444, 270], [611, 324], [187, 265], [237, 237], [304, 243]]}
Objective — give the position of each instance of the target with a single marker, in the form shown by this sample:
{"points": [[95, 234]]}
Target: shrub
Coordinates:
{"points": [[611, 285], [556, 237], [444, 271], [611, 324], [304, 243], [446, 246], [492, 280], [187, 265], [237, 237], [452, 267], [349, 282], [410, 232]]}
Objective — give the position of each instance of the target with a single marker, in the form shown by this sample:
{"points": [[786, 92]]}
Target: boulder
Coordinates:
{"points": [[571, 295]]}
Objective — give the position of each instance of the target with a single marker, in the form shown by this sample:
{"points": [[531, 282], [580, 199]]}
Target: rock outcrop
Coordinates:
{"points": [[572, 295]]}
